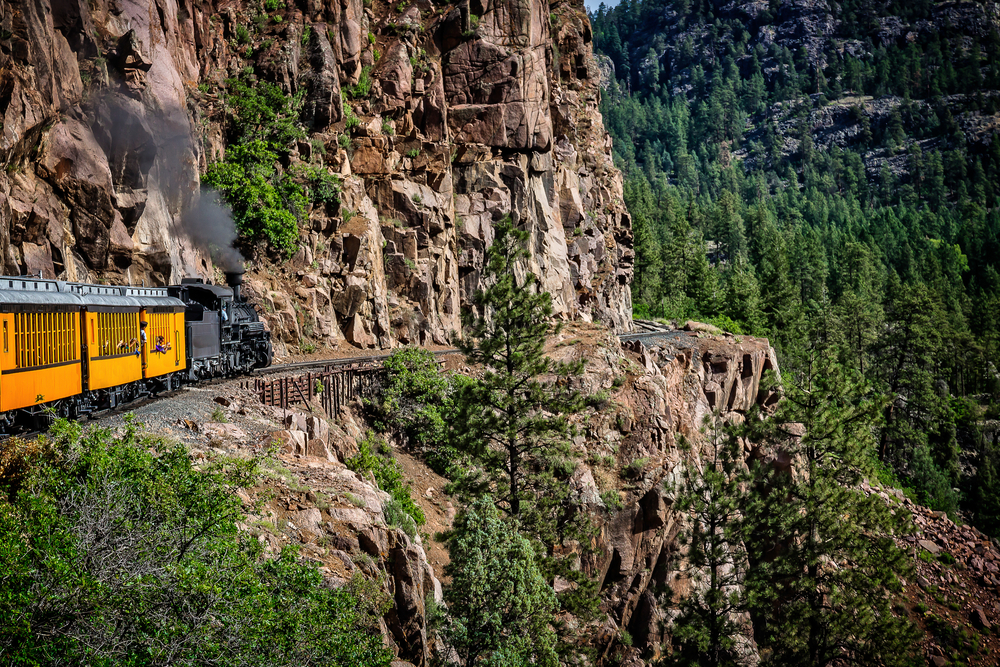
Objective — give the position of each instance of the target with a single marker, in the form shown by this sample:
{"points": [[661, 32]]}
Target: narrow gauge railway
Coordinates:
{"points": [[73, 349]]}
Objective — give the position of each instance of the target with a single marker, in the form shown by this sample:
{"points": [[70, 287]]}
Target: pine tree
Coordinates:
{"points": [[828, 569], [646, 287], [707, 631], [499, 606], [742, 298], [511, 422]]}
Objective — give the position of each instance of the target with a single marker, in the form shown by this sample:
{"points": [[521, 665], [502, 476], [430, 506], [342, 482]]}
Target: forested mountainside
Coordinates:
{"points": [[826, 173]]}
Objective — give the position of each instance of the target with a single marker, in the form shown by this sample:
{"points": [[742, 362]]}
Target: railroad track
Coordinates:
{"points": [[646, 329], [334, 363], [643, 329]]}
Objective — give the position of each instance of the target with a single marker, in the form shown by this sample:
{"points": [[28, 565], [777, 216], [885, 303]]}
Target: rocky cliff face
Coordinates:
{"points": [[631, 449], [110, 112], [629, 460]]}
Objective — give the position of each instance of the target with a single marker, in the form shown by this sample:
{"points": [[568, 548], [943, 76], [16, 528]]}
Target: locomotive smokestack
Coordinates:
{"points": [[235, 279]]}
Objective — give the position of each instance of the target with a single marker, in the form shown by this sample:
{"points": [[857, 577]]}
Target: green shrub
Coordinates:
{"points": [[323, 187], [396, 516], [242, 34], [262, 111], [412, 153], [351, 120], [274, 5], [388, 475], [344, 140], [634, 469], [364, 85], [248, 181], [611, 499], [387, 128], [413, 394], [117, 550]]}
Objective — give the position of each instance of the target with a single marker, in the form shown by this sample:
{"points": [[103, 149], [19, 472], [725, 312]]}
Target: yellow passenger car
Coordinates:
{"points": [[112, 349], [165, 344], [40, 359]]}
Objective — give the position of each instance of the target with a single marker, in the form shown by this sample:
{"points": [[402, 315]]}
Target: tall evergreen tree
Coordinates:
{"points": [[707, 633], [829, 568], [499, 606], [510, 421]]}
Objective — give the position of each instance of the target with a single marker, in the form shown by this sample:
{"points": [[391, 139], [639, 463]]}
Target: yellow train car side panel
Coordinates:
{"points": [[39, 358], [28, 387], [165, 343], [6, 348], [180, 342], [112, 349]]}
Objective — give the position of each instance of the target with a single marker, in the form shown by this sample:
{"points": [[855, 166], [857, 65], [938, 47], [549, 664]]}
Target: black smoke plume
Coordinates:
{"points": [[209, 224]]}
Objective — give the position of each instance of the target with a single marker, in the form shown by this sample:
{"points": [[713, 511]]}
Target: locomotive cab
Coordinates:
{"points": [[224, 333]]}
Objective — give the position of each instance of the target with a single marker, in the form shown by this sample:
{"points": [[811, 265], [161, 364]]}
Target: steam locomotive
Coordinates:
{"points": [[69, 349]]}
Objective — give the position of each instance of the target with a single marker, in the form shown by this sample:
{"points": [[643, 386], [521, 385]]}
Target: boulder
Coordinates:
{"points": [[927, 545], [317, 428], [318, 449]]}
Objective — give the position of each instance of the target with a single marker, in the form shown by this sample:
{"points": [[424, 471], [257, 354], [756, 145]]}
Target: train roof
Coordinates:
{"points": [[219, 291], [27, 291]]}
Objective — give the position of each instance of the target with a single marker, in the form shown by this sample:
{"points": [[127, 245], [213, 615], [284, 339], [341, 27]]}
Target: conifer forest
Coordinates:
{"points": [[827, 185]]}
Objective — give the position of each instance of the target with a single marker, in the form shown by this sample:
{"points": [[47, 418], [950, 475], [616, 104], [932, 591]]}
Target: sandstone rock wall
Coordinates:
{"points": [[111, 109], [660, 392]]}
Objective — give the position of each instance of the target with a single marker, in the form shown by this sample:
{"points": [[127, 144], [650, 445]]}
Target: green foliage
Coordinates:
{"points": [[273, 5], [267, 204], [262, 111], [809, 607], [500, 608], [612, 500], [412, 153], [387, 128], [117, 549], [242, 34], [414, 395], [250, 182], [364, 85], [510, 422], [351, 119], [389, 477], [416, 401], [706, 633], [323, 186], [399, 516]]}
